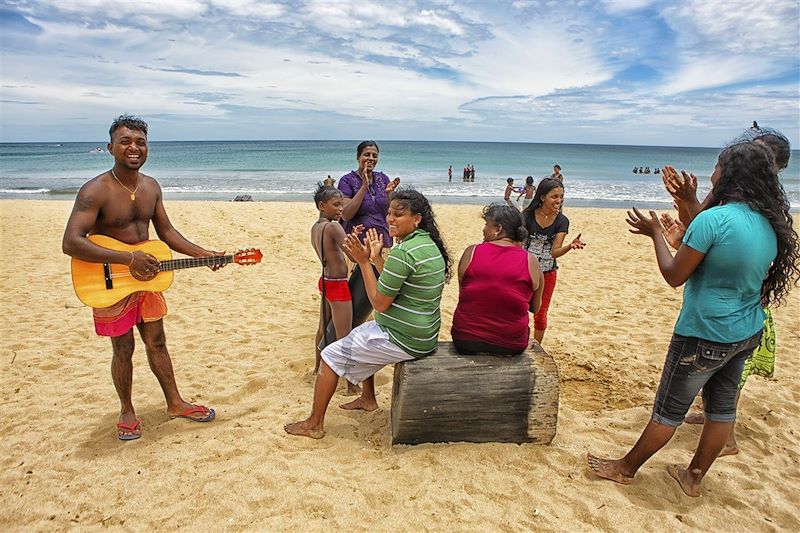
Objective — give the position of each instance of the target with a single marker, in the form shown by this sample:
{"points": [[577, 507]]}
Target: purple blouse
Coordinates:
{"points": [[374, 206]]}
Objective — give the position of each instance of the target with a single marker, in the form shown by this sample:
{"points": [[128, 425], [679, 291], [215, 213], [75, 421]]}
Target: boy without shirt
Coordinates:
{"points": [[327, 236]]}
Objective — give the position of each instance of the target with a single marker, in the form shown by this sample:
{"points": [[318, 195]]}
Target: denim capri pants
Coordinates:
{"points": [[693, 364]]}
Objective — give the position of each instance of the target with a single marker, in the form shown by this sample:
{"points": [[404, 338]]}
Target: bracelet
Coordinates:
{"points": [[132, 258]]}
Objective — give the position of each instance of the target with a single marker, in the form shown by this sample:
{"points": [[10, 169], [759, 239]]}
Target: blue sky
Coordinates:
{"points": [[690, 73]]}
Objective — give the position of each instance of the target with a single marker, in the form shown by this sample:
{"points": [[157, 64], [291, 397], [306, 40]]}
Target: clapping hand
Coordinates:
{"points": [[643, 225], [357, 229], [357, 252], [374, 241], [683, 187], [392, 185], [673, 230]]}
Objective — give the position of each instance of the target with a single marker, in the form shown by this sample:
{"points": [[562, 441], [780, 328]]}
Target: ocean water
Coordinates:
{"points": [[595, 175]]}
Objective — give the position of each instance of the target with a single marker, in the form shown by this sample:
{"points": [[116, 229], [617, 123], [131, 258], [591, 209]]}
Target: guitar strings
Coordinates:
{"points": [[221, 261]]}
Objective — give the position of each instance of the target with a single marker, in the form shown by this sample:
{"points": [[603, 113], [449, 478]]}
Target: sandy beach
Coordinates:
{"points": [[241, 341]]}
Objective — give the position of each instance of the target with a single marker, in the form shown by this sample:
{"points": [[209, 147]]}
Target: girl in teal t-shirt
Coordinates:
{"points": [[744, 236]]}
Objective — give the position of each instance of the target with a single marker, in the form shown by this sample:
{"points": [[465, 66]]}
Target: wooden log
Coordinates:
{"points": [[447, 397]]}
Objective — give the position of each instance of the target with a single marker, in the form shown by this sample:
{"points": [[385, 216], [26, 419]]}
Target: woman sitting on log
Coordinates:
{"points": [[499, 282], [406, 300]]}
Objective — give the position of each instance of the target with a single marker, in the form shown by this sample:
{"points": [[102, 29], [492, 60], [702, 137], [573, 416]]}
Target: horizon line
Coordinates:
{"points": [[103, 143]]}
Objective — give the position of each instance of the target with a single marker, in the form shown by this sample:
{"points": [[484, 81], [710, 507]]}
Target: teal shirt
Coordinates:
{"points": [[414, 275], [722, 297]]}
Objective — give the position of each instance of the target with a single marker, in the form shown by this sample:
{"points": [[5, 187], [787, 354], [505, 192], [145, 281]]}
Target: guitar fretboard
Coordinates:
{"points": [[191, 262]]}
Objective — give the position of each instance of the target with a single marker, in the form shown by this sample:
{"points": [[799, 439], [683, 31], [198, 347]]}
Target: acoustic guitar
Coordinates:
{"points": [[104, 284]]}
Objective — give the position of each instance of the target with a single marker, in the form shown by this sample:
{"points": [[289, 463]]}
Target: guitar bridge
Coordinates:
{"points": [[107, 275]]}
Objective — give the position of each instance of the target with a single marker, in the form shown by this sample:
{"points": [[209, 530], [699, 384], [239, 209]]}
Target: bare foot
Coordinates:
{"points": [[695, 418], [608, 468], [729, 449], [304, 429], [352, 390], [360, 403], [685, 479]]}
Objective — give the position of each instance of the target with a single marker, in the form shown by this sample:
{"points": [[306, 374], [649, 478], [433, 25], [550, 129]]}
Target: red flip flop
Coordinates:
{"points": [[133, 435], [196, 409]]}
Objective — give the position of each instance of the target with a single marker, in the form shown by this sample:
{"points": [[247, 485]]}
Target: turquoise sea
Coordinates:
{"points": [[595, 175]]}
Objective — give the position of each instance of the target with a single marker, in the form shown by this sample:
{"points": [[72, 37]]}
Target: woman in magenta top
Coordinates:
{"points": [[499, 282]]}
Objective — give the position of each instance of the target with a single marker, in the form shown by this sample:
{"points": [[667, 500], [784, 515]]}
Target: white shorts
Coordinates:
{"points": [[363, 352]]}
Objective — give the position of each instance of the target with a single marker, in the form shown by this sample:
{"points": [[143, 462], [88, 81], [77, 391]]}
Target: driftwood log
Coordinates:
{"points": [[447, 397]]}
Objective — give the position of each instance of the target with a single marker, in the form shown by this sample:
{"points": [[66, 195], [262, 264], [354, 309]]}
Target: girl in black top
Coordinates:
{"points": [[547, 227]]}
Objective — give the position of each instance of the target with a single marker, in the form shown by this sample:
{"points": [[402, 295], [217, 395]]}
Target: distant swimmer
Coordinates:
{"points": [[635, 170], [557, 173], [528, 191], [507, 195]]}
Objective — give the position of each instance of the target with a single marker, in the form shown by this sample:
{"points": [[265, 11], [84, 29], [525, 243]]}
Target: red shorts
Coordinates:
{"points": [[336, 290]]}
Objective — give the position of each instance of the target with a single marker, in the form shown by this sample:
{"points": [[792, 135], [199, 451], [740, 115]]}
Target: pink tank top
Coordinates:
{"points": [[494, 297]]}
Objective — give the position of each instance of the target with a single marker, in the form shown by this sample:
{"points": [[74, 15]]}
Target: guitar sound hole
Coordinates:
{"points": [[145, 277]]}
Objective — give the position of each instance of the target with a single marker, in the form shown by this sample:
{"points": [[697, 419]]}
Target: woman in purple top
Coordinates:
{"points": [[367, 193]]}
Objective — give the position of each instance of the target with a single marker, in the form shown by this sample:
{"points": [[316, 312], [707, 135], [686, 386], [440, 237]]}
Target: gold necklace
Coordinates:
{"points": [[132, 192]]}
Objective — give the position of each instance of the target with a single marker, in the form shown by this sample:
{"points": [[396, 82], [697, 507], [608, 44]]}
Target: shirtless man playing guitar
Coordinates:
{"points": [[121, 203]]}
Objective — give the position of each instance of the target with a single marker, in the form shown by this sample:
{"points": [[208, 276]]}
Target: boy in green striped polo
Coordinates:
{"points": [[406, 300]]}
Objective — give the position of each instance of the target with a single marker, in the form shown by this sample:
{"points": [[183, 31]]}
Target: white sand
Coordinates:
{"points": [[241, 341]]}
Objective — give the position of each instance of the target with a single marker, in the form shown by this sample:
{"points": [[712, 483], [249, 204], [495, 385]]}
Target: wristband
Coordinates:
{"points": [[132, 258]]}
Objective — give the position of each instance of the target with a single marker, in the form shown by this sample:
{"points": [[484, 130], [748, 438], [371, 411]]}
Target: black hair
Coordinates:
{"points": [[557, 166], [364, 144], [774, 140], [510, 180], [542, 190], [508, 218], [325, 193], [416, 202], [747, 175], [127, 121], [529, 180]]}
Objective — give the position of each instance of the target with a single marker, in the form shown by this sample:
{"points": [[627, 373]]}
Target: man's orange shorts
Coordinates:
{"points": [[118, 319], [336, 290]]}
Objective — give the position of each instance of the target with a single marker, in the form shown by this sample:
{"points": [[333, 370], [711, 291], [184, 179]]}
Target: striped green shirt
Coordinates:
{"points": [[414, 275]]}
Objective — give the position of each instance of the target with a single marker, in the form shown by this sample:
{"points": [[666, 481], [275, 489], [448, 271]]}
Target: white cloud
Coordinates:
{"points": [[251, 8], [622, 6], [709, 71], [530, 62], [489, 69], [738, 26], [173, 9]]}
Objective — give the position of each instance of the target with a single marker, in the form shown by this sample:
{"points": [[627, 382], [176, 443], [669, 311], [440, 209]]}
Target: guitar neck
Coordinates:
{"points": [[191, 262]]}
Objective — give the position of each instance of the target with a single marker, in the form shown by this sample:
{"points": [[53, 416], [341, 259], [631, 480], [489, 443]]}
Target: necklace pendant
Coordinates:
{"points": [[133, 197]]}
